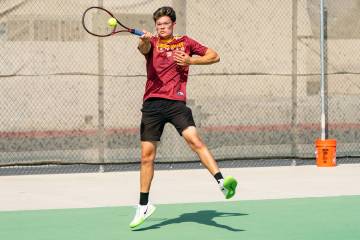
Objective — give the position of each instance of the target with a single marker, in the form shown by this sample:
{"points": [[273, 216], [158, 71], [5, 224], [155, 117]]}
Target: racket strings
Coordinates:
{"points": [[96, 22]]}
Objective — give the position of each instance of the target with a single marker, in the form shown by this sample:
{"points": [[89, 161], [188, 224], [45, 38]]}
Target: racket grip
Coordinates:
{"points": [[137, 32]]}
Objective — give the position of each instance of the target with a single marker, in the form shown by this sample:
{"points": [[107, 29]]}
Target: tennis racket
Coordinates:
{"points": [[95, 21]]}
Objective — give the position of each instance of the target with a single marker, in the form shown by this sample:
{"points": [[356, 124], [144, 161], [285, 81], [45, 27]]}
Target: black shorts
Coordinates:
{"points": [[156, 112]]}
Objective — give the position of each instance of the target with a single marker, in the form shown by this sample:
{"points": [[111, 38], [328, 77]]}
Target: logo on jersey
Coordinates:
{"points": [[164, 47], [180, 93]]}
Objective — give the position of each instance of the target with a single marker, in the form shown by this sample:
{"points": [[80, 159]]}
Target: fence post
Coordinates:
{"points": [[294, 79], [101, 122], [180, 8], [323, 60]]}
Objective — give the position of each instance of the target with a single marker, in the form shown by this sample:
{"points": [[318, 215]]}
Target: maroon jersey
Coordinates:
{"points": [[166, 79]]}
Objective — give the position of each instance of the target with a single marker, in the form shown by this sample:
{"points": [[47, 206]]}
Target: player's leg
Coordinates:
{"points": [[151, 128], [227, 185], [196, 144], [145, 209], [148, 154], [181, 117]]}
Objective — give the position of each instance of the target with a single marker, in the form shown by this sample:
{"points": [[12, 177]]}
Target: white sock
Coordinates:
{"points": [[221, 183]]}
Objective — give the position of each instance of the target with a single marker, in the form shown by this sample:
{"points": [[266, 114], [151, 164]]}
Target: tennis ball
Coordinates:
{"points": [[112, 22]]}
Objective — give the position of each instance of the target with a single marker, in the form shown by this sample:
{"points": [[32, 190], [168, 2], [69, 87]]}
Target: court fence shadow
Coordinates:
{"points": [[205, 217]]}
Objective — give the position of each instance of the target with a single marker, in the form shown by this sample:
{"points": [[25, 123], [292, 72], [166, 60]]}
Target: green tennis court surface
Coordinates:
{"points": [[305, 218]]}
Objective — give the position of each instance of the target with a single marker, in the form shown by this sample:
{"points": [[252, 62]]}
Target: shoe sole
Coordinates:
{"points": [[230, 184]]}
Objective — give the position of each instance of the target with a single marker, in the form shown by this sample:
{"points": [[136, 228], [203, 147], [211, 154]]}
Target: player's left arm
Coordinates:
{"points": [[183, 59]]}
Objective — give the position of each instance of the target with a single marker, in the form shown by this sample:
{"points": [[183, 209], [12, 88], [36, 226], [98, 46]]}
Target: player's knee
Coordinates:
{"points": [[196, 145], [147, 158]]}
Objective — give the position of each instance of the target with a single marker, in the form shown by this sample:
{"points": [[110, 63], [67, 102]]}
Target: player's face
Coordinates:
{"points": [[164, 27]]}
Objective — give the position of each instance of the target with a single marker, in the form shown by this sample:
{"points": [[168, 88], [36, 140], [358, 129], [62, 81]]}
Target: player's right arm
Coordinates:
{"points": [[144, 43]]}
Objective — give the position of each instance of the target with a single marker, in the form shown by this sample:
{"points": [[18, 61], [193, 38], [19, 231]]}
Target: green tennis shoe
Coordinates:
{"points": [[229, 187]]}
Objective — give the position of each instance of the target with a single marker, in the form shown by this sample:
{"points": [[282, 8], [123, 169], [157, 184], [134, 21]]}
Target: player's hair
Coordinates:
{"points": [[165, 11]]}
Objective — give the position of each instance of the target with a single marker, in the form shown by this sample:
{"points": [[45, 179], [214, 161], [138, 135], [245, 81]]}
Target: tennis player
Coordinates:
{"points": [[168, 58]]}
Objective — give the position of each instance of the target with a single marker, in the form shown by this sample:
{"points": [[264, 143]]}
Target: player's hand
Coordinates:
{"points": [[144, 42], [146, 36], [182, 58]]}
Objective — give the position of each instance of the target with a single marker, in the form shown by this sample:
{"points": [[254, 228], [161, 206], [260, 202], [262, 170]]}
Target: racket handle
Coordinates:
{"points": [[137, 32]]}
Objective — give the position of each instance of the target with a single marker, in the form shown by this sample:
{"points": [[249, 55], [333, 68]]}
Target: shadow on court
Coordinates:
{"points": [[205, 217]]}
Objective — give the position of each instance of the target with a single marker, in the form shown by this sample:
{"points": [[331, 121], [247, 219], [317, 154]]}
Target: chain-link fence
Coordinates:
{"points": [[68, 97]]}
